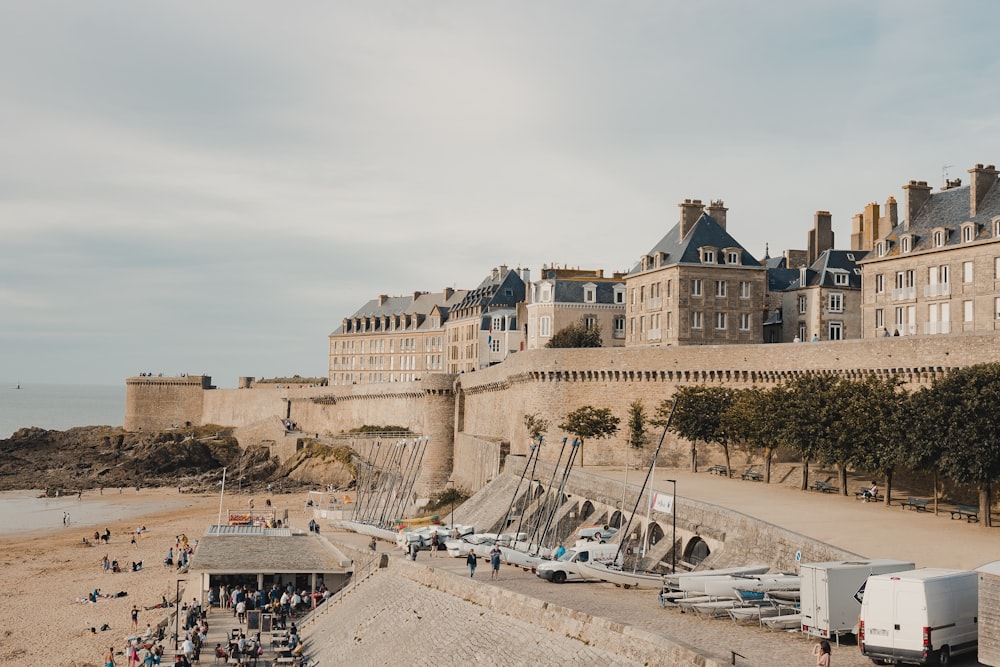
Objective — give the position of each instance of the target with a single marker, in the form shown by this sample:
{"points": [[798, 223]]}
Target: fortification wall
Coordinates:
{"points": [[477, 461], [155, 403]]}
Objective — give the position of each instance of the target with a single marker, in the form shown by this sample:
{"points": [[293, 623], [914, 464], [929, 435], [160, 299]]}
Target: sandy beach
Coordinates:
{"points": [[44, 576]]}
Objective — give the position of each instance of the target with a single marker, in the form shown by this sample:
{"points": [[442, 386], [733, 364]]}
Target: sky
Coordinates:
{"points": [[212, 187]]}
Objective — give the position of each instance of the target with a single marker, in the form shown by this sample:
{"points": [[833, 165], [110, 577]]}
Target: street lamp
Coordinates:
{"points": [[177, 618], [451, 485], [673, 512]]}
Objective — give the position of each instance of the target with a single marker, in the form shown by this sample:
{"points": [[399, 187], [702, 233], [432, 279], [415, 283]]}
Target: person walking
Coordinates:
{"points": [[495, 562], [135, 617], [434, 543], [109, 657], [470, 560], [822, 653]]}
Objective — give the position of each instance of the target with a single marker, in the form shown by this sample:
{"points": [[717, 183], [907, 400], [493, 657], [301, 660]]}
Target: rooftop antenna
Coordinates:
{"points": [[944, 173]]}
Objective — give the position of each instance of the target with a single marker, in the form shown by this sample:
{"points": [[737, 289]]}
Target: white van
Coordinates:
{"points": [[921, 616], [567, 568]]}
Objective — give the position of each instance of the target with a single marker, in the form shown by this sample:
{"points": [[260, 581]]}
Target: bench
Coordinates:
{"points": [[825, 487], [719, 470], [752, 475], [860, 494], [968, 512], [916, 504]]}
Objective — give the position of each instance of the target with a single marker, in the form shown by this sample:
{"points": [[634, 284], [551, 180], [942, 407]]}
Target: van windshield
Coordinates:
{"points": [[568, 555]]}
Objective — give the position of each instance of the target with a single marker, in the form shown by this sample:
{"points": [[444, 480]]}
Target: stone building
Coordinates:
{"points": [[481, 329], [392, 339], [697, 286], [564, 296], [937, 271]]}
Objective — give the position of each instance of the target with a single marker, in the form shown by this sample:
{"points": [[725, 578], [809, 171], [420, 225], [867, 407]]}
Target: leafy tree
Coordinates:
{"points": [[969, 426], [577, 334], [755, 418], [923, 444], [873, 420], [589, 422], [840, 446], [535, 425], [636, 425], [698, 416], [810, 421]]}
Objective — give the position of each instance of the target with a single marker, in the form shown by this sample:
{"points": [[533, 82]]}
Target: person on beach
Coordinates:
{"points": [[495, 562], [106, 564], [470, 560], [135, 617], [434, 543], [109, 657], [822, 653]]}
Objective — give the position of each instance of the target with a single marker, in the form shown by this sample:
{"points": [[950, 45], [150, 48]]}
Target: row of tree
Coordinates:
{"points": [[950, 428]]}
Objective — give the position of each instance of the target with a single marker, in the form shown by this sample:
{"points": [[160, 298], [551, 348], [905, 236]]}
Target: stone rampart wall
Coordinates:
{"points": [[477, 461], [155, 403]]}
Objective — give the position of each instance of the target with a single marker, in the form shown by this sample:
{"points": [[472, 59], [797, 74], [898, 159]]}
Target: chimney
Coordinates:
{"points": [[525, 276], [858, 241], [382, 298], [892, 212], [917, 194], [691, 210], [982, 179], [820, 236], [448, 293], [717, 210], [503, 271]]}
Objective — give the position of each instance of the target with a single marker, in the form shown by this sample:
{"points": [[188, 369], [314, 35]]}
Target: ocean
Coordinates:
{"points": [[59, 406]]}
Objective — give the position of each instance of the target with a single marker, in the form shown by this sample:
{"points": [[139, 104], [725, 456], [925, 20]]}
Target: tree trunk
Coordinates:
{"points": [[842, 469], [805, 474], [768, 453], [888, 487], [985, 501], [694, 457], [729, 468]]}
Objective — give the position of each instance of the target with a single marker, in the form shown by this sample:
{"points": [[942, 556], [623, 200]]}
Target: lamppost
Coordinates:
{"points": [[673, 513], [177, 618], [451, 485]]}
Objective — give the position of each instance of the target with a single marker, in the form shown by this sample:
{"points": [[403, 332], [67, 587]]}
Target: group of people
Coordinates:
{"points": [[495, 557]]}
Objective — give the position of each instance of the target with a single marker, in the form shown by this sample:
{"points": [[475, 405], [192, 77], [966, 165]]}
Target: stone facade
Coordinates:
{"points": [[563, 296], [482, 328], [156, 403]]}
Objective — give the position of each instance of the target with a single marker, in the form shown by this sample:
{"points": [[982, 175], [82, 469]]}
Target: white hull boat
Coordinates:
{"points": [[785, 622], [753, 613], [674, 580], [623, 578]]}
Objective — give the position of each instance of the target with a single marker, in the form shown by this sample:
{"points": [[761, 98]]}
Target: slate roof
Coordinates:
{"points": [[421, 304], [705, 232], [571, 291], [948, 209], [257, 551], [492, 292], [830, 263]]}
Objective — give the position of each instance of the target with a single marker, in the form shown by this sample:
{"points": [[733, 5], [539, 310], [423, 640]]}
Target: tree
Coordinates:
{"points": [[810, 422], [577, 334], [535, 425], [590, 422], [755, 418], [969, 428], [698, 416], [636, 425], [873, 421]]}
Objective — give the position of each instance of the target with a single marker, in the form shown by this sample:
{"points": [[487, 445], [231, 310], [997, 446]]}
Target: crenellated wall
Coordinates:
{"points": [[469, 417]]}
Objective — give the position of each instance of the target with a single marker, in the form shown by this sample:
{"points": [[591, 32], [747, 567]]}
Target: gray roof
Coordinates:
{"points": [[495, 292], [830, 263], [252, 551], [705, 232], [421, 303], [571, 291]]}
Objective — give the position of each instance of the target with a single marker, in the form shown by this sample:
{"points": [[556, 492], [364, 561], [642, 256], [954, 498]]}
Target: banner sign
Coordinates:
{"points": [[663, 502]]}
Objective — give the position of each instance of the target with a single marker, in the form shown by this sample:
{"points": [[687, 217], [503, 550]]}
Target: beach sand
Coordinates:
{"points": [[43, 577]]}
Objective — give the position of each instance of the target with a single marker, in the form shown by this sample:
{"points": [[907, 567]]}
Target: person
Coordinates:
{"points": [[822, 653], [434, 543], [470, 560], [796, 339], [495, 562], [815, 338], [885, 332], [871, 493], [414, 548], [109, 657], [371, 545], [560, 551], [135, 617]]}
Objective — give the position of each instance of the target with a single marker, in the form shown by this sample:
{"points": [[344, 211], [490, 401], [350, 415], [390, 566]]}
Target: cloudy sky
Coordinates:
{"points": [[212, 187]]}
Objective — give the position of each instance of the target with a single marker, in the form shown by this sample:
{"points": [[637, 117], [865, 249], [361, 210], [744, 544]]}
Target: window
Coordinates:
{"points": [[720, 288], [495, 345], [945, 273], [968, 233], [967, 272], [996, 268], [620, 326], [996, 306], [882, 248], [508, 292], [802, 304], [911, 278], [744, 321], [835, 330], [900, 279], [840, 278], [696, 319], [939, 238], [836, 302], [720, 321], [904, 244], [670, 321], [589, 293], [670, 288], [619, 294], [590, 322], [642, 294], [696, 286], [802, 332], [850, 257], [744, 289], [880, 284], [732, 257], [879, 318], [545, 326], [546, 294], [708, 256]]}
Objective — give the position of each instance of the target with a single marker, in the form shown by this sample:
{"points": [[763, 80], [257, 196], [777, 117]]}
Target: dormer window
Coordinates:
{"points": [[905, 243], [619, 293], [996, 227], [840, 278], [708, 255], [968, 232], [883, 248], [590, 293], [546, 293], [940, 237], [732, 257]]}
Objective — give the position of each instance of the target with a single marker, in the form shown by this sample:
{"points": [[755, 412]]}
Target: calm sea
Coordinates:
{"points": [[59, 406]]}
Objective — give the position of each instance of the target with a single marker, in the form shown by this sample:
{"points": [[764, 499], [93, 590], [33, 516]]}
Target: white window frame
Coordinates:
{"points": [[968, 269], [836, 302], [968, 233], [590, 293], [619, 294], [835, 331], [880, 283], [744, 321], [720, 321], [697, 319], [879, 318], [841, 278], [545, 326], [707, 256], [696, 287], [803, 303], [732, 257], [904, 244], [745, 289], [721, 289]]}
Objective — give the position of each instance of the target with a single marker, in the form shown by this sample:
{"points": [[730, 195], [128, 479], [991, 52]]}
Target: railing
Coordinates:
{"points": [[940, 289], [369, 568], [904, 293], [937, 327], [654, 303], [653, 334]]}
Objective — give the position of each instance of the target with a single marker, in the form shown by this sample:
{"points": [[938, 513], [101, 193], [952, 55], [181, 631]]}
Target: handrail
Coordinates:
{"points": [[369, 568]]}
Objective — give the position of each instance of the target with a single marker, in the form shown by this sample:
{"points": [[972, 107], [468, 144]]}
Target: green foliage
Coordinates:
{"points": [[754, 418], [576, 335], [698, 416], [589, 422], [636, 425], [368, 429], [535, 425], [445, 499]]}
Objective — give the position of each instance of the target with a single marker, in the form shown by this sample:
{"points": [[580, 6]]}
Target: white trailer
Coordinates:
{"points": [[830, 599], [922, 617]]}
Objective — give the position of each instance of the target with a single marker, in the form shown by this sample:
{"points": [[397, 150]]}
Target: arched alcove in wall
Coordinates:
{"points": [[696, 551]]}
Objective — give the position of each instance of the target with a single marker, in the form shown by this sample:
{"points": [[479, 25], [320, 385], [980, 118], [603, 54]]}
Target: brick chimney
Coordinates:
{"points": [[892, 212], [382, 298], [820, 236], [717, 210], [691, 210], [448, 293], [917, 194], [982, 179]]}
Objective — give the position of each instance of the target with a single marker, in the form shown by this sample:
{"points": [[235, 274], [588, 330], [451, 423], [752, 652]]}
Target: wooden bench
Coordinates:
{"points": [[825, 487], [719, 470], [752, 475], [968, 512], [860, 495], [916, 504]]}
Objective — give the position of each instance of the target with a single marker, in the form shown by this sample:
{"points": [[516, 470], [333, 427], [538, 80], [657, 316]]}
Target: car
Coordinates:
{"points": [[601, 533]]}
